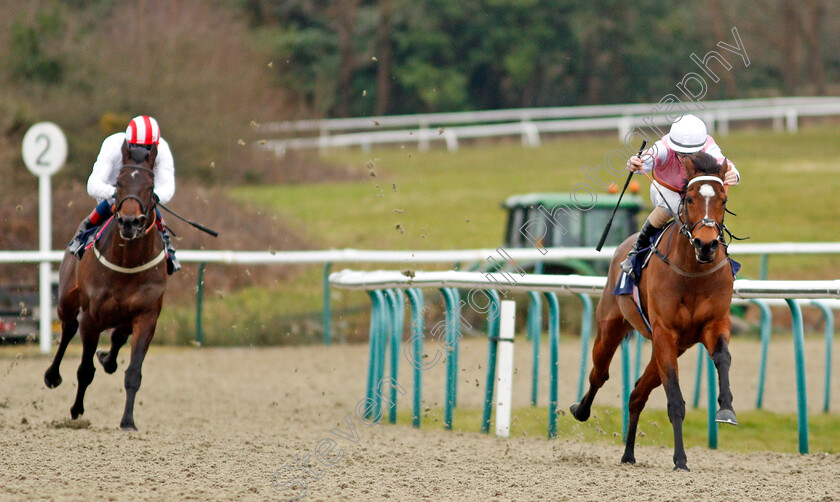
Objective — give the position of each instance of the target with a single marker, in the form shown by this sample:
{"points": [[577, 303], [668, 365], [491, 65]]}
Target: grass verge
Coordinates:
{"points": [[757, 430]]}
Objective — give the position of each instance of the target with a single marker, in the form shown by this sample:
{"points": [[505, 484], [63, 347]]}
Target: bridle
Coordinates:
{"points": [[686, 227], [143, 207]]}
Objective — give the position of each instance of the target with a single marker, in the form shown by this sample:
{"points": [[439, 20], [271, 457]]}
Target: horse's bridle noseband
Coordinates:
{"points": [[686, 227], [149, 203]]}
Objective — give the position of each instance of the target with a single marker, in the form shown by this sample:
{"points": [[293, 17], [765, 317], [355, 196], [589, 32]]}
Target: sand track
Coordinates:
{"points": [[218, 423]]}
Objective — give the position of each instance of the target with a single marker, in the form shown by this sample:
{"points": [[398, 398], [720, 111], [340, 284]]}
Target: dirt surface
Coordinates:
{"points": [[219, 423]]}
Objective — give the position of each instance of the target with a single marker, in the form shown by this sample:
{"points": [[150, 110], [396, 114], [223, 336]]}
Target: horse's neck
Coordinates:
{"points": [[129, 253]]}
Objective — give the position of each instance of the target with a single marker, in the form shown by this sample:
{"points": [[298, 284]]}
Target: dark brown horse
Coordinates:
{"points": [[685, 291], [118, 283]]}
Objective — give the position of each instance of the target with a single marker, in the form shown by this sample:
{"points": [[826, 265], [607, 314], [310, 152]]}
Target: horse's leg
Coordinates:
{"points": [[610, 333], [665, 347], [90, 339], [68, 312], [108, 358], [718, 347], [144, 329], [648, 381], [52, 377]]}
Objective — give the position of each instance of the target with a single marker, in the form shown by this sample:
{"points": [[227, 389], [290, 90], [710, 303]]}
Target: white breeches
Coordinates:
{"points": [[664, 199]]}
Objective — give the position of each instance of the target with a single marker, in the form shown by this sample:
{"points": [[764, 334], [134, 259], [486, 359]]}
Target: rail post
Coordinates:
{"points": [[698, 377], [378, 325], [711, 395], [637, 364], [828, 315], [415, 298], [453, 317], [327, 314], [585, 332], [395, 302], [493, 339], [554, 353], [766, 328], [625, 387], [534, 333], [199, 332], [799, 358]]}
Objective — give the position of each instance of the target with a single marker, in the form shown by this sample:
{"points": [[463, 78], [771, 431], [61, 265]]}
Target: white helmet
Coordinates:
{"points": [[142, 130], [688, 134]]}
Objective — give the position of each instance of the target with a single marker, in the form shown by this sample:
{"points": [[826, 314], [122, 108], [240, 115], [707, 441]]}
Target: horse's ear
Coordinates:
{"points": [[724, 166], [690, 168], [125, 154], [153, 155]]}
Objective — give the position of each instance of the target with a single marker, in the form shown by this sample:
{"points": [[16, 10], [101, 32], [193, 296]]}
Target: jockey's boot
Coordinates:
{"points": [[77, 245], [172, 263], [642, 241]]}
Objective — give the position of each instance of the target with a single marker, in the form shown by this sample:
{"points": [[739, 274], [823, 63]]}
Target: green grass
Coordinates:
{"points": [[757, 430], [451, 200]]}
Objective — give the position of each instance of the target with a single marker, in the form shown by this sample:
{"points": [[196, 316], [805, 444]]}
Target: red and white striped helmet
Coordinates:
{"points": [[142, 130]]}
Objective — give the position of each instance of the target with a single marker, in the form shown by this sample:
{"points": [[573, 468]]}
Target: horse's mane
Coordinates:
{"points": [[704, 165]]}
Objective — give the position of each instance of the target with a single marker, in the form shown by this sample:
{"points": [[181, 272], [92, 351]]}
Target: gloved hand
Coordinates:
{"points": [[634, 163], [731, 178]]}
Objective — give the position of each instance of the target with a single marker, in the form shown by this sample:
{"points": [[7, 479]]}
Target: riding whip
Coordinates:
{"points": [[609, 222], [196, 225]]}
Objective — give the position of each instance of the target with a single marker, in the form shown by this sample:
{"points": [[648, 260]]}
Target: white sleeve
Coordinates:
{"points": [[164, 172], [654, 155], [101, 182], [714, 151]]}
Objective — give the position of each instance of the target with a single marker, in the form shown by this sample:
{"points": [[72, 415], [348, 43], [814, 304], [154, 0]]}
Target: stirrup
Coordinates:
{"points": [[627, 264]]}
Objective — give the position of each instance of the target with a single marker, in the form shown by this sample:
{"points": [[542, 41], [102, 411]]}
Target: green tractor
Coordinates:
{"points": [[553, 220]]}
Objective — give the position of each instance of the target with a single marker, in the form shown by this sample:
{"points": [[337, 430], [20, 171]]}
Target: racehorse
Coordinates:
{"points": [[118, 284], [686, 291]]}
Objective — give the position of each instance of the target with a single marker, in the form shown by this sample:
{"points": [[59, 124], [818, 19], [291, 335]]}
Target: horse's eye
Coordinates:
{"points": [[689, 199], [724, 201]]}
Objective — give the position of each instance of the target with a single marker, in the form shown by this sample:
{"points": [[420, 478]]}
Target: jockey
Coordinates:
{"points": [[665, 160], [142, 132]]}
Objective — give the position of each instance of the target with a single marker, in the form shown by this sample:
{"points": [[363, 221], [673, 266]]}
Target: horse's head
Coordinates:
{"points": [[703, 204], [135, 190]]}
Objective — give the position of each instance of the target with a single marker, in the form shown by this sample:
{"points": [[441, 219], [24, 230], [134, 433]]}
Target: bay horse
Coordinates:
{"points": [[685, 291], [119, 283]]}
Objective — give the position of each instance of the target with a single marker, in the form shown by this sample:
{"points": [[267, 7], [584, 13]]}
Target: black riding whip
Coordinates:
{"points": [[196, 225], [609, 222]]}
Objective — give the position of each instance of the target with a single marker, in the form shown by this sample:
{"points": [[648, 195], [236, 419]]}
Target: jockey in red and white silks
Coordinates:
{"points": [[142, 132]]}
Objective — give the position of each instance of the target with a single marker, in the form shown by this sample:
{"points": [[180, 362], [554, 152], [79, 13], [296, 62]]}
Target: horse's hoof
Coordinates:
{"points": [[682, 467], [628, 460], [109, 367], [52, 380], [726, 417], [578, 412], [76, 412], [129, 427]]}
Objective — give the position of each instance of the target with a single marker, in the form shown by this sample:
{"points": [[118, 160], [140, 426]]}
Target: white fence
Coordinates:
{"points": [[490, 256], [384, 279], [437, 256], [529, 123]]}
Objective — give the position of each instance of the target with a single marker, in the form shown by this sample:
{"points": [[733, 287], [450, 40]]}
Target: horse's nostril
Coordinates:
{"points": [[696, 242]]}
